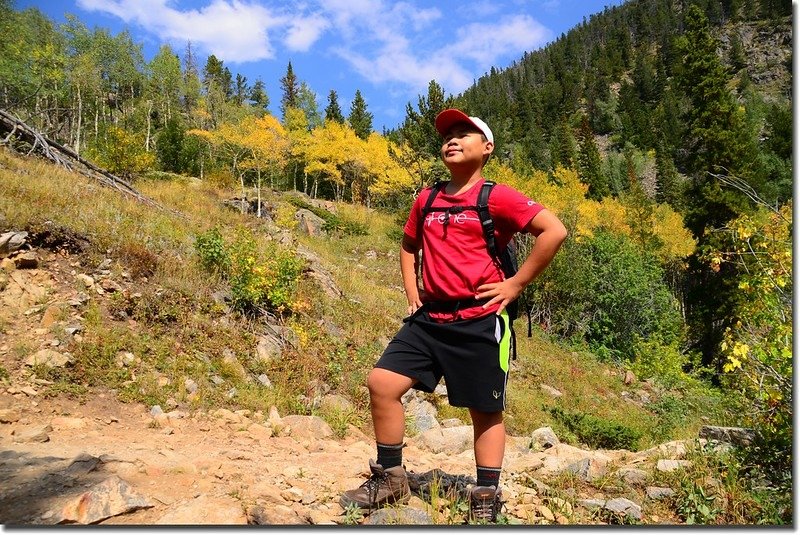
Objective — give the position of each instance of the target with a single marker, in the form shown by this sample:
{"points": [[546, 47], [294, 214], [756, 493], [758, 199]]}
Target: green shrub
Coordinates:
{"points": [[597, 432], [605, 291], [260, 277], [213, 254], [671, 413]]}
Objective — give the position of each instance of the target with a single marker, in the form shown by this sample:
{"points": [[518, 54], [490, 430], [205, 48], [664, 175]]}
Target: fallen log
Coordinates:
{"points": [[15, 129]]}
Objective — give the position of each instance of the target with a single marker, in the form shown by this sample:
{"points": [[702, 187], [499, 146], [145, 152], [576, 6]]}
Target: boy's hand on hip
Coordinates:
{"points": [[499, 292], [414, 303]]}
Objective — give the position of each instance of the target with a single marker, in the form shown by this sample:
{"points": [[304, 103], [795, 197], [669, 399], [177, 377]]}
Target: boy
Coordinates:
{"points": [[457, 327]]}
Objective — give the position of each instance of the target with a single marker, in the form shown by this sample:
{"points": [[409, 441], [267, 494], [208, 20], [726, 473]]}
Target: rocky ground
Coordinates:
{"points": [[100, 461]]}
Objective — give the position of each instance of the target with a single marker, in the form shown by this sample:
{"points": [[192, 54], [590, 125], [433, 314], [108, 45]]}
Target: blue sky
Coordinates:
{"points": [[388, 50]]}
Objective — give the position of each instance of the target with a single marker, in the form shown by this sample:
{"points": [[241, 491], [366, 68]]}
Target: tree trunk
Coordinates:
{"points": [[258, 192], [147, 139], [80, 125], [97, 105]]}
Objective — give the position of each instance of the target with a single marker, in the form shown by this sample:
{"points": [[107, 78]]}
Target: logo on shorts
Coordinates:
{"points": [[496, 394]]}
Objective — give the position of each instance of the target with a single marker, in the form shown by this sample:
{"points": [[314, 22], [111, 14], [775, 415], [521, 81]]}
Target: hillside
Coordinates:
{"points": [[121, 356]]}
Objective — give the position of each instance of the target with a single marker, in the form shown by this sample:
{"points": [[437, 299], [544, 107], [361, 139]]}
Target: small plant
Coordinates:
{"points": [[213, 254], [695, 506], [353, 515], [597, 432]]}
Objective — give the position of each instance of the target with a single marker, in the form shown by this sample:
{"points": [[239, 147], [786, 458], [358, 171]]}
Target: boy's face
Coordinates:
{"points": [[464, 144]]}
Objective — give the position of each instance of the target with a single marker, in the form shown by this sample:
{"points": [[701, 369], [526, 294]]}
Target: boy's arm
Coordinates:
{"points": [[550, 234], [408, 269]]}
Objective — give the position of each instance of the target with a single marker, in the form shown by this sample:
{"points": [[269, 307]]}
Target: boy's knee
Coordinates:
{"points": [[385, 383]]}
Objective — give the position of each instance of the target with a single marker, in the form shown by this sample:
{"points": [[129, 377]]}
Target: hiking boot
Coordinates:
{"points": [[484, 504], [384, 486]]}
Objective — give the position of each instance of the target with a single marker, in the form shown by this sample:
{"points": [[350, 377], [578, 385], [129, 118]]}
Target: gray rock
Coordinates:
{"points": [[307, 426], [264, 380], [268, 348], [72, 330], [424, 414], [190, 385], [399, 516], [35, 434], [659, 493], [309, 223], [336, 402], [671, 465], [624, 506], [109, 498], [739, 436], [273, 515], [318, 272], [26, 260], [48, 358], [587, 469], [550, 390], [11, 241], [633, 476], [544, 437], [592, 504], [83, 464], [450, 440], [156, 410]]}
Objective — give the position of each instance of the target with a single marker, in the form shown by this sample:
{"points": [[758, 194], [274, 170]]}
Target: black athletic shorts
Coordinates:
{"points": [[472, 356]]}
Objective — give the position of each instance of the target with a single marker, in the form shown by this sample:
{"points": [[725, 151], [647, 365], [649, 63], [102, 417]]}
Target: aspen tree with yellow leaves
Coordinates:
{"points": [[267, 149]]}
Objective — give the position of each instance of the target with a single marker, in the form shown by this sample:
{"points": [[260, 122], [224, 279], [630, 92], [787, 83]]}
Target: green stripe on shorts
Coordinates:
{"points": [[505, 342]]}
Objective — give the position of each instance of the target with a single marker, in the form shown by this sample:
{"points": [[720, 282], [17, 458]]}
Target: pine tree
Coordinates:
{"points": [[562, 145], [332, 111], [589, 163], [418, 129], [717, 144], [716, 127], [667, 186], [291, 91], [307, 101], [191, 79], [360, 119], [258, 95], [242, 89]]}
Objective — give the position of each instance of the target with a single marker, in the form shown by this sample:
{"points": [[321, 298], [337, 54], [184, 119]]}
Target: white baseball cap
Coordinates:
{"points": [[446, 119]]}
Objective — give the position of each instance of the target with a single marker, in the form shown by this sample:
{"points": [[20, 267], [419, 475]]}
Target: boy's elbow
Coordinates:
{"points": [[561, 233]]}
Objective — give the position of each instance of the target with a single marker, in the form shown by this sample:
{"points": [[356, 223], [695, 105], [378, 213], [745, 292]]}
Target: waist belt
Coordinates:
{"points": [[454, 306]]}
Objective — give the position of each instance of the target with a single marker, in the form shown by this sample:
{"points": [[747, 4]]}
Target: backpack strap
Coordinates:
{"points": [[487, 223]]}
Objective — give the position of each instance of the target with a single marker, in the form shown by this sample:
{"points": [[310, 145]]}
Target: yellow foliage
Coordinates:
{"points": [[565, 195], [389, 177]]}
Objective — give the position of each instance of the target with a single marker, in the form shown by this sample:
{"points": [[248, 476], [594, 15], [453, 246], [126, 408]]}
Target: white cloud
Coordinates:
{"points": [[304, 32], [234, 31], [486, 42], [400, 66], [403, 44]]}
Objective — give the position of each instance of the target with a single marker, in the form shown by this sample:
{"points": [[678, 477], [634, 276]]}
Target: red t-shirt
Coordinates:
{"points": [[456, 260]]}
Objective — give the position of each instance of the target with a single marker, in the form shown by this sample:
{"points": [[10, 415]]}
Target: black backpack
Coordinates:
{"points": [[505, 259]]}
